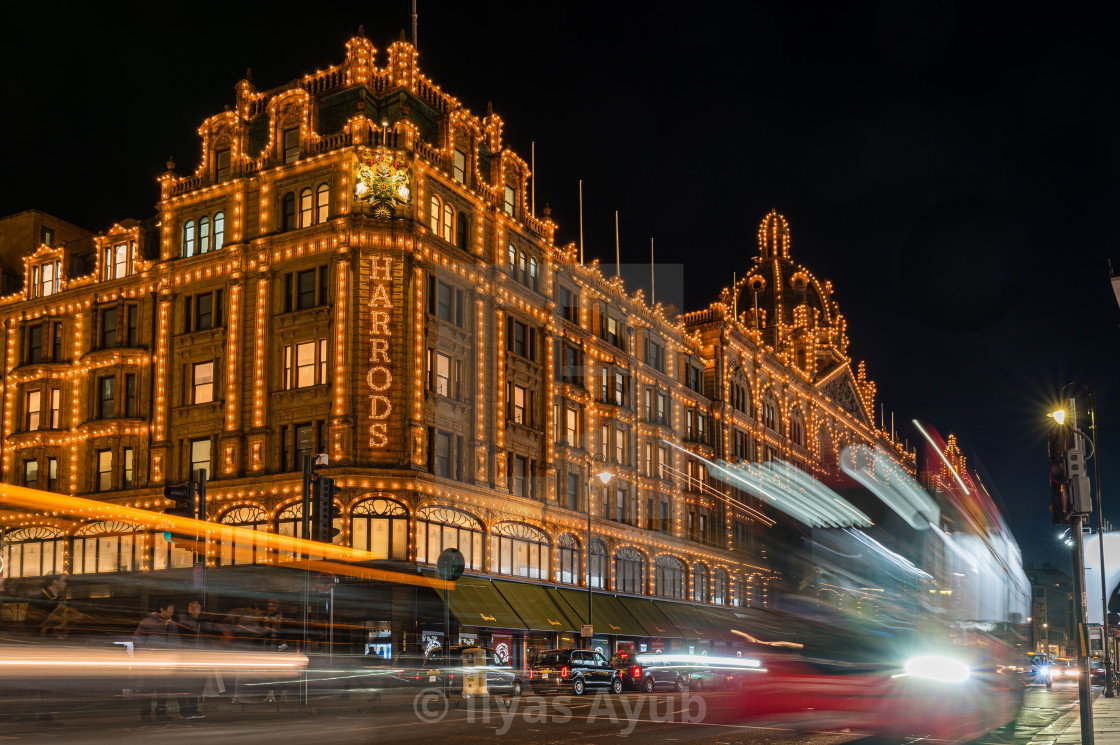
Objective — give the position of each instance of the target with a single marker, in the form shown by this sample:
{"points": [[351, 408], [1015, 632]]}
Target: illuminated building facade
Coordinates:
{"points": [[354, 268]]}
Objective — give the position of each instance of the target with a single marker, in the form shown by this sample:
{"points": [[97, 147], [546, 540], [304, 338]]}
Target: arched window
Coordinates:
{"points": [[461, 230], [188, 238], [670, 579], [449, 223], [219, 231], [520, 550], [203, 235], [33, 552], [323, 203], [700, 583], [108, 546], [720, 587], [305, 208], [629, 570], [438, 528], [290, 523], [797, 426], [436, 210], [598, 558], [770, 410], [380, 526], [532, 272], [288, 211], [242, 550], [571, 570]]}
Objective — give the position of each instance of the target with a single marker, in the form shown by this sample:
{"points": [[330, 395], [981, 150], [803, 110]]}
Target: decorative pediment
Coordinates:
{"points": [[843, 392]]}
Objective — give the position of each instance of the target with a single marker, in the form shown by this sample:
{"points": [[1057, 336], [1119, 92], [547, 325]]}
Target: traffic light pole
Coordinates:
{"points": [[1084, 682], [306, 496]]}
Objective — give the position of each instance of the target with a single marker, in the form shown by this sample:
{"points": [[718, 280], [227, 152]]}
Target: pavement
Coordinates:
{"points": [[1067, 728]]}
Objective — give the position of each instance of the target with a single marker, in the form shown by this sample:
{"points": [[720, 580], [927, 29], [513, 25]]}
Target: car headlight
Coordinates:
{"points": [[935, 667]]}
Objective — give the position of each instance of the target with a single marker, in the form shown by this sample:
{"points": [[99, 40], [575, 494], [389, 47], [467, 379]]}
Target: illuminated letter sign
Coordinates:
{"points": [[380, 375]]}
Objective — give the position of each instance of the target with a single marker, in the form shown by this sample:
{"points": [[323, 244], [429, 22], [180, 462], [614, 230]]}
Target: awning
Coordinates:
{"points": [[476, 602], [608, 615], [652, 619], [696, 622], [540, 607]]}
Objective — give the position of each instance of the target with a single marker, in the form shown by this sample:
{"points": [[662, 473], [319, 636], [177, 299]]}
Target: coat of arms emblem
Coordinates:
{"points": [[384, 180]]}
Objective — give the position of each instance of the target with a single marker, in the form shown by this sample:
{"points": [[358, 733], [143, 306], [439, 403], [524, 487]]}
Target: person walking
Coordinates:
{"points": [[155, 631], [189, 626], [47, 616]]}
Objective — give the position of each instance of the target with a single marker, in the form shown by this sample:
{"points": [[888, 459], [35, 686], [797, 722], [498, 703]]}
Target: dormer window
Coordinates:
{"points": [[291, 145], [223, 165], [45, 278], [115, 259], [46, 236], [510, 201], [459, 169]]}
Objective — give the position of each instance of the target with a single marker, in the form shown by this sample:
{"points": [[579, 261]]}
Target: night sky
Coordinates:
{"points": [[952, 169]]}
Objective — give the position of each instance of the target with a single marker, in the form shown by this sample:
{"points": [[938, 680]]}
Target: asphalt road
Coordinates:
{"points": [[656, 719]]}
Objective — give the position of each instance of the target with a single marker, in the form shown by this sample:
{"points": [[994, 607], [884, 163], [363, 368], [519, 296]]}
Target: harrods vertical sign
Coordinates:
{"points": [[379, 378]]}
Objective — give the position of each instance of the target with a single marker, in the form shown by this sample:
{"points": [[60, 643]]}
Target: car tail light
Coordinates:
{"points": [[636, 671], [564, 672]]}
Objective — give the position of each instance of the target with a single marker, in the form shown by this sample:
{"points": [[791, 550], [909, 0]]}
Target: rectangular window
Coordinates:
{"points": [[46, 236], [130, 395], [459, 168], [517, 405], [305, 289], [105, 394], [56, 341], [694, 379], [133, 317], [34, 344], [509, 201], [52, 474], [56, 408], [519, 476], [305, 364], [442, 463], [223, 169], [442, 379], [31, 474], [305, 443], [291, 145], [108, 328], [202, 312], [120, 260], [573, 491], [33, 408], [128, 468], [654, 358], [569, 305], [571, 366], [104, 470], [517, 339], [620, 449], [323, 379], [613, 335], [200, 457], [571, 427], [202, 391]]}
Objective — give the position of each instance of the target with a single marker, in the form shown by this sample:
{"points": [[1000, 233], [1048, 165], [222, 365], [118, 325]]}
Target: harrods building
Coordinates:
{"points": [[353, 269]]}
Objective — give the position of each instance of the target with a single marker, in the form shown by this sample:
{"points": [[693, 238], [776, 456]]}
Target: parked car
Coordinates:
{"points": [[449, 669], [651, 672], [575, 670]]}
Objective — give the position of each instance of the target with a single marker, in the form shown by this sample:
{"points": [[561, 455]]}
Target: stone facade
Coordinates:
{"points": [[353, 269]]}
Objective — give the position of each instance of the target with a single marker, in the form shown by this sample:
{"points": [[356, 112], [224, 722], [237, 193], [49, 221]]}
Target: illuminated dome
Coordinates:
{"points": [[791, 309]]}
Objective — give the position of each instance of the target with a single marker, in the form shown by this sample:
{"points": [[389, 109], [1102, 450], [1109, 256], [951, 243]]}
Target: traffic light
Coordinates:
{"points": [[185, 498], [324, 512]]}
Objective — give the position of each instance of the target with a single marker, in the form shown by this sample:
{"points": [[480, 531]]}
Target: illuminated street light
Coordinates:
{"points": [[605, 477], [1059, 416]]}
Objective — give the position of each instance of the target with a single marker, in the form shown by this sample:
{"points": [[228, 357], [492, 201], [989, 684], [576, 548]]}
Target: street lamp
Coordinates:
{"points": [[605, 477]]}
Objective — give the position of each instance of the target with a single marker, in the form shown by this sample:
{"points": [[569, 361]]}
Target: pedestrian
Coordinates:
{"points": [[47, 616], [190, 628], [155, 631]]}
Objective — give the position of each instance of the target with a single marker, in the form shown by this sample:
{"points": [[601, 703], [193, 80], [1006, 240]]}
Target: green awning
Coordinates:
{"points": [[650, 617], [540, 607], [695, 621], [608, 615], [476, 602]]}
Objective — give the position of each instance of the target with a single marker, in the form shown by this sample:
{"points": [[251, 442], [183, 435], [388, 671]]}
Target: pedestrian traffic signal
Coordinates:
{"points": [[324, 511], [185, 499]]}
